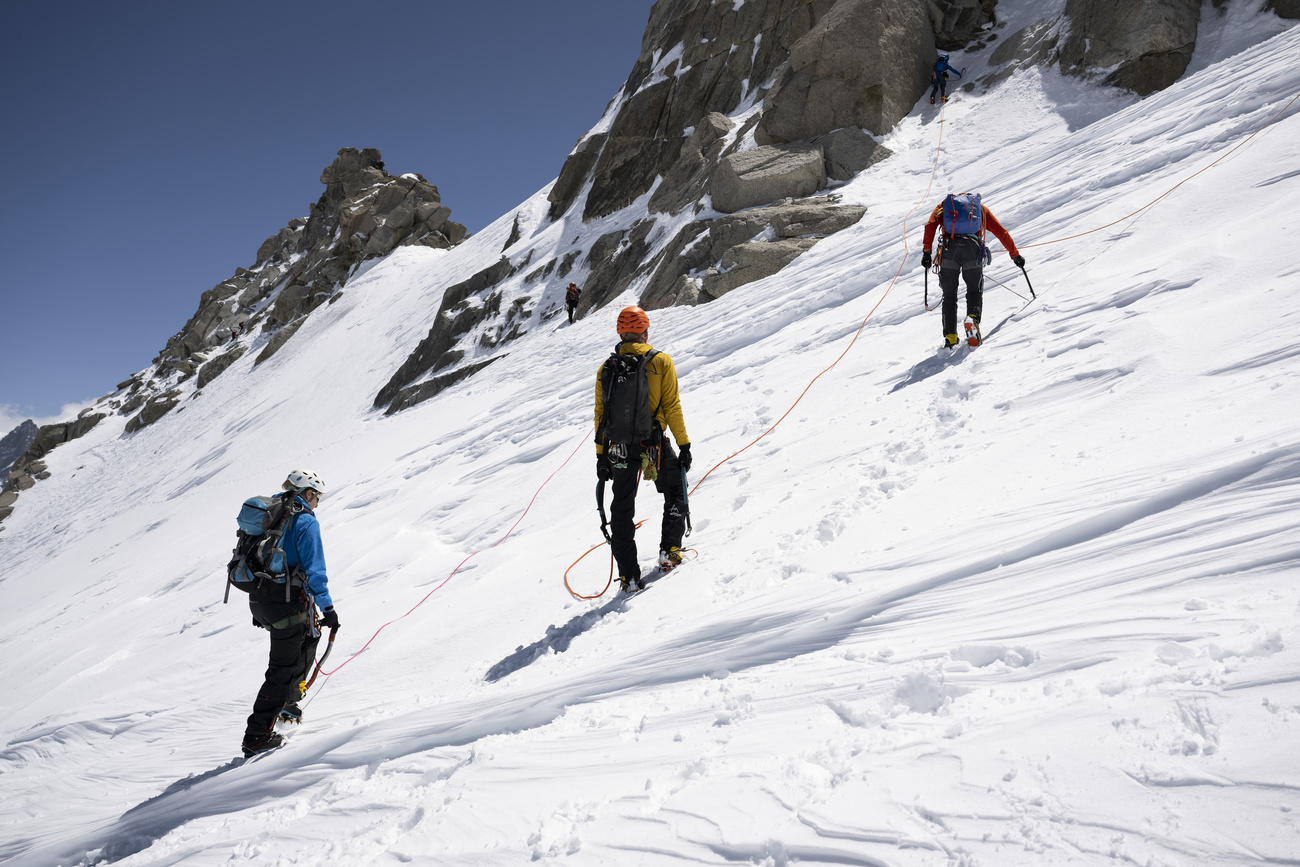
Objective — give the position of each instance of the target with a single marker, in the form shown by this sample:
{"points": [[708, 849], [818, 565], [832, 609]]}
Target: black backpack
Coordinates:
{"points": [[258, 560], [625, 391]]}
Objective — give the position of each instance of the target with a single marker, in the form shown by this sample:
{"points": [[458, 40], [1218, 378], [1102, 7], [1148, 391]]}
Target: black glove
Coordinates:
{"points": [[1019, 260], [258, 624], [330, 618], [925, 259], [604, 472], [685, 458]]}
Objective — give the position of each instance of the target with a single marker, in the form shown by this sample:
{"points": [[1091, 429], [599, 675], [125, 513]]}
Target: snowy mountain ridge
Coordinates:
{"points": [[1029, 604]]}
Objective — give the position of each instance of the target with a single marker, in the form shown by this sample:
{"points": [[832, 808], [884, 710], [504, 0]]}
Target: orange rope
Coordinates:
{"points": [[924, 196], [933, 171]]}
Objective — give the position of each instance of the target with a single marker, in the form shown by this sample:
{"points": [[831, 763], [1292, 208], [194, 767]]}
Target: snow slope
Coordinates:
{"points": [[1032, 604]]}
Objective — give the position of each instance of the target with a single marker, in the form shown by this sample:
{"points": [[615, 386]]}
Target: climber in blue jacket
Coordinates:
{"points": [[292, 620], [939, 78]]}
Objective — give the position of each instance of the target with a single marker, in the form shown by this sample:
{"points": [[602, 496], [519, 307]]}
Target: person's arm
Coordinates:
{"points": [[600, 411], [311, 557], [931, 226], [991, 223], [669, 403]]}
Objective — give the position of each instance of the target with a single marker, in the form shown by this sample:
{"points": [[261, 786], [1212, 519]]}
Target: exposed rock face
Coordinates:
{"points": [[742, 248], [1147, 43], [865, 65], [574, 174], [154, 409], [766, 174], [746, 263], [462, 308], [727, 55], [688, 179], [849, 151], [1284, 8], [217, 366], [364, 213], [958, 22], [30, 466], [14, 444]]}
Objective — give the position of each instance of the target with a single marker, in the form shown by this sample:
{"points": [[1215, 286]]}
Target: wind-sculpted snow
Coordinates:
{"points": [[1029, 604]]}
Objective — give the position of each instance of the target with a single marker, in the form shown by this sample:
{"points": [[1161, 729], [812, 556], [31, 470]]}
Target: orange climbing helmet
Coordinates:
{"points": [[633, 320]]}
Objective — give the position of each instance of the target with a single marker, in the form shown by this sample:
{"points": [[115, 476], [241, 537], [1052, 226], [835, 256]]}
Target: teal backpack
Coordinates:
{"points": [[258, 560]]}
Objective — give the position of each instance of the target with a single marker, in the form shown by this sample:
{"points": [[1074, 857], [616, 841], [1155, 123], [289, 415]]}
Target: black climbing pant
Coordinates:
{"points": [[293, 650], [962, 255], [622, 510]]}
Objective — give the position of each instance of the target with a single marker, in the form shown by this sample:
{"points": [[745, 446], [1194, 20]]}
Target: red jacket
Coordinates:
{"points": [[990, 222]]}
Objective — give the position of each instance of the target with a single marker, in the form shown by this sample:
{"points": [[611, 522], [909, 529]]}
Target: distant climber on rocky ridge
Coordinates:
{"points": [[571, 298]]}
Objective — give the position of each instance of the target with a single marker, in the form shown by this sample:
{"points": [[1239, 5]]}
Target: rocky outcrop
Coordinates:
{"points": [[154, 408], [688, 179], [364, 213], [710, 258], [1283, 8], [849, 151], [464, 305], [15, 443], [697, 58], [957, 23], [864, 64], [766, 174], [1143, 46], [752, 261], [30, 466]]}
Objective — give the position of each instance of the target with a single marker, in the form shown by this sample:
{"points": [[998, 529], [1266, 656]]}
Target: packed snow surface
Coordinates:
{"points": [[1029, 604]]}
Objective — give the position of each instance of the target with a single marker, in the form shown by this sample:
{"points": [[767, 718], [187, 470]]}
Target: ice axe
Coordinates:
{"points": [[1032, 294], [329, 645]]}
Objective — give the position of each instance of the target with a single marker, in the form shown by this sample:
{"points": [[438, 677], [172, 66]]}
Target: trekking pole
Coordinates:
{"points": [[1032, 294], [320, 662], [686, 498], [926, 271], [600, 506]]}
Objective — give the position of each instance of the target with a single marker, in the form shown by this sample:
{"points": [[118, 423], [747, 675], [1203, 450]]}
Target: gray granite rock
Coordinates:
{"points": [[864, 64], [849, 151], [766, 174], [746, 263], [1143, 45]]}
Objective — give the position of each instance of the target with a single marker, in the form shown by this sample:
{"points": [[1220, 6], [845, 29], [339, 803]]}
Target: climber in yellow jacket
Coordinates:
{"points": [[637, 399]]}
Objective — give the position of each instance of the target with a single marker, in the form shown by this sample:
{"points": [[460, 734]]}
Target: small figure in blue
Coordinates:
{"points": [[939, 78]]}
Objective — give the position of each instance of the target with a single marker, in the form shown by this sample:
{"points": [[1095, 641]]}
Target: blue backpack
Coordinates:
{"points": [[963, 214], [258, 560]]}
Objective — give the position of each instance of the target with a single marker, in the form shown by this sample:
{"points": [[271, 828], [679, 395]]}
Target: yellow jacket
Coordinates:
{"points": [[665, 401]]}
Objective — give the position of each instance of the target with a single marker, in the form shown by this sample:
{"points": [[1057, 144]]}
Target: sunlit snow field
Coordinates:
{"points": [[1030, 604]]}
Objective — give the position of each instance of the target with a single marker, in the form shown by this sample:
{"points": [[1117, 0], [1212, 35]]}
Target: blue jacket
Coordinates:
{"points": [[941, 67], [303, 550]]}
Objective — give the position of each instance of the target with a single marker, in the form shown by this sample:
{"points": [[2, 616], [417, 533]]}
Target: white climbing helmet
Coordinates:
{"points": [[301, 480]]}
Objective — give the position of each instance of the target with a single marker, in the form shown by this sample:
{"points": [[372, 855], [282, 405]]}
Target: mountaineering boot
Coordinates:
{"points": [[291, 713], [670, 559], [262, 742], [972, 331], [951, 341], [630, 585], [932, 100]]}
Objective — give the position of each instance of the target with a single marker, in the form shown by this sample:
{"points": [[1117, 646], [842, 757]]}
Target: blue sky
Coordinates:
{"points": [[152, 147]]}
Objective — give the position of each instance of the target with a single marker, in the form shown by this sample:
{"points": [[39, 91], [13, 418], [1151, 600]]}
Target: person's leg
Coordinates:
{"points": [[670, 485], [948, 283], [283, 662], [622, 523], [974, 292]]}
